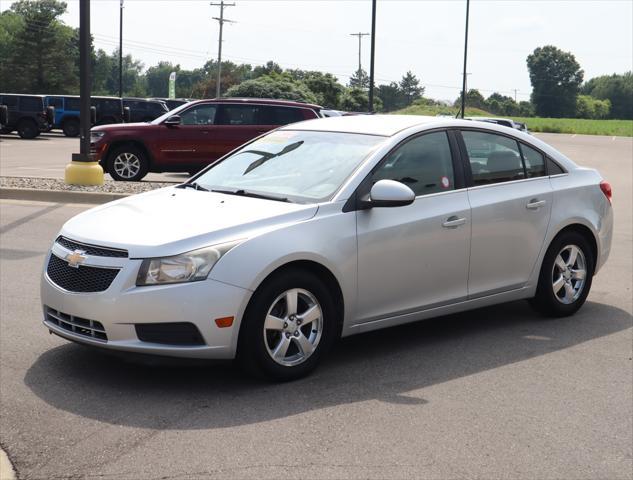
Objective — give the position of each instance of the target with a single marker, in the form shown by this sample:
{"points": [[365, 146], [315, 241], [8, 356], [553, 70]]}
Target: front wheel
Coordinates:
{"points": [[128, 164], [28, 129], [288, 326], [566, 275]]}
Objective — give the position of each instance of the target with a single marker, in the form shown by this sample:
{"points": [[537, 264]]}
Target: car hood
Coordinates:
{"points": [[173, 220]]}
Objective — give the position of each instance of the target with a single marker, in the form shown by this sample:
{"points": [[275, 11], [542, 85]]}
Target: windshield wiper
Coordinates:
{"points": [[245, 193], [194, 185]]}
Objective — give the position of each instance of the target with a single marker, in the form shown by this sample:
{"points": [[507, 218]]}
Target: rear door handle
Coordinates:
{"points": [[535, 204], [453, 222]]}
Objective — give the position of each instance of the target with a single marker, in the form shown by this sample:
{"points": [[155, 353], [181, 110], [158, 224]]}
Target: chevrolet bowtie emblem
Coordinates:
{"points": [[76, 258]]}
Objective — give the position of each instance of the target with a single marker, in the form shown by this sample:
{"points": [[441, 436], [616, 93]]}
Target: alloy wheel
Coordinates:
{"points": [[293, 327], [568, 274], [127, 165]]}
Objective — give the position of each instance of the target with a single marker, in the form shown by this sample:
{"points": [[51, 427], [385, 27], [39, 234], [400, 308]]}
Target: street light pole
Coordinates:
{"points": [[121, 50], [465, 60], [83, 170], [373, 52]]}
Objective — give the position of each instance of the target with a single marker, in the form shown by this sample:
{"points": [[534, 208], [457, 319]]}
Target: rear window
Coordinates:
{"points": [[534, 162], [73, 104], [272, 115], [237, 115], [56, 102], [31, 104], [9, 101]]}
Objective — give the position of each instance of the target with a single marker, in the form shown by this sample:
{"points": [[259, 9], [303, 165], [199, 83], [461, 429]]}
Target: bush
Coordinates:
{"points": [[589, 107], [275, 85]]}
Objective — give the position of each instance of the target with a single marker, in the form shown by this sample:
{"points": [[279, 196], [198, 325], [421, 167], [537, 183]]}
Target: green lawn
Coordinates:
{"points": [[621, 128]]}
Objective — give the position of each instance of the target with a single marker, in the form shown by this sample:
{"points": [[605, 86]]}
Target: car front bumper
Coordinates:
{"points": [[123, 305]]}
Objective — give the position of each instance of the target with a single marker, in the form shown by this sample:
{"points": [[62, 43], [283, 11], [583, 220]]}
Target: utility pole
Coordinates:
{"points": [[465, 60], [360, 37], [515, 94], [373, 52], [221, 21], [121, 50]]}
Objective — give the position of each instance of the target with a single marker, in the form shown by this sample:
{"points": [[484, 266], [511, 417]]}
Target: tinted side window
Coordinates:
{"points": [[56, 102], [554, 168], [423, 163], [493, 158], [199, 115], [238, 115], [10, 101], [534, 162], [73, 104], [31, 104], [270, 115]]}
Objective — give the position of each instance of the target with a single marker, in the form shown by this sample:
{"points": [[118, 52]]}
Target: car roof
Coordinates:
{"points": [[266, 101], [385, 125]]}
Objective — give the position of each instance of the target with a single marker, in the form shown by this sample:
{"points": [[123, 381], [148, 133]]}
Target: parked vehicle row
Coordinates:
{"points": [[191, 136], [322, 229], [109, 110]]}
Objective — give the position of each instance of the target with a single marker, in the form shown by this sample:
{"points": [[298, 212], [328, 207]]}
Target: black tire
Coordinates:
{"points": [[127, 150], [253, 354], [546, 300], [28, 129], [71, 127]]}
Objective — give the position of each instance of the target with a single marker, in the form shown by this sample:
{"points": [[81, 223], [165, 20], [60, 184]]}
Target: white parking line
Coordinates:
{"points": [[574, 135], [612, 139]]}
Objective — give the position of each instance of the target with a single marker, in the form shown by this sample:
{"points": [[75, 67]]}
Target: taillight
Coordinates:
{"points": [[606, 189]]}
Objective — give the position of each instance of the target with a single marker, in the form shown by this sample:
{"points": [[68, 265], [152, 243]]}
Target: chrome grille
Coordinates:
{"points": [[91, 249], [82, 279], [77, 325]]}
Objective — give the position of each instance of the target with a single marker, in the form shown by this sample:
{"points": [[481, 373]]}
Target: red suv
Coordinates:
{"points": [[191, 136]]}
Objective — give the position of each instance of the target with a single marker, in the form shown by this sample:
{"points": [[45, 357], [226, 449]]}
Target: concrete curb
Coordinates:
{"points": [[6, 468], [58, 196]]}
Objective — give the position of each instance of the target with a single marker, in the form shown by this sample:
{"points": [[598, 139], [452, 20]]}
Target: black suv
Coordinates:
{"points": [[173, 102], [143, 110], [27, 114]]}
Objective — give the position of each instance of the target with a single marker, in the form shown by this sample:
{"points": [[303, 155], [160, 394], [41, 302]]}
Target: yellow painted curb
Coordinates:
{"points": [[6, 469], [83, 173]]}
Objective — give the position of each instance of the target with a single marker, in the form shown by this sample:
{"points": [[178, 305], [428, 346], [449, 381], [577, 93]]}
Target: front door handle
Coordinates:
{"points": [[453, 222], [535, 204]]}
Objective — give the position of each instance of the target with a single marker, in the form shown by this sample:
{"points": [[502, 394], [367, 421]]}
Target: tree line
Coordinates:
{"points": [[41, 55]]}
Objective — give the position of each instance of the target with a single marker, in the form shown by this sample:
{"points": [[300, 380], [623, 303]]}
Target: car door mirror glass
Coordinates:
{"points": [[390, 193]]}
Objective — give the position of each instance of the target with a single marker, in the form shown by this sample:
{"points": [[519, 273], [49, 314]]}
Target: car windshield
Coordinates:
{"points": [[297, 166]]}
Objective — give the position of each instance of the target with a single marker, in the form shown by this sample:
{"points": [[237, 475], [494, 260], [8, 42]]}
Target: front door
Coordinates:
{"points": [[415, 257]]}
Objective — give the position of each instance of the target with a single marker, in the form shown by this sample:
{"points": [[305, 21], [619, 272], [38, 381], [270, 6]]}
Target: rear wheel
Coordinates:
{"points": [[566, 276], [128, 164], [71, 127], [288, 326], [27, 128]]}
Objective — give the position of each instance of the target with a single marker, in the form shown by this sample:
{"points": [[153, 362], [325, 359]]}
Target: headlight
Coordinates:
{"points": [[96, 136], [186, 267]]}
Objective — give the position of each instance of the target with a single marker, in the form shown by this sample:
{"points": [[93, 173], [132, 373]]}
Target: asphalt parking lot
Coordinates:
{"points": [[495, 393]]}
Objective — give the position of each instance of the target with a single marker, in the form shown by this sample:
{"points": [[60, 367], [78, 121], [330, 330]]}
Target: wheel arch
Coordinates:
{"points": [[315, 268], [586, 232], [129, 141]]}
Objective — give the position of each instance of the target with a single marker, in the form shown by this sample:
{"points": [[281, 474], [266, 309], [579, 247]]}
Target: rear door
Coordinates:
{"points": [[511, 201], [236, 125]]}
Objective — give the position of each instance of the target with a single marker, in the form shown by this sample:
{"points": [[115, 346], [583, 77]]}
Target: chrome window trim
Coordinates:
{"points": [[511, 182]]}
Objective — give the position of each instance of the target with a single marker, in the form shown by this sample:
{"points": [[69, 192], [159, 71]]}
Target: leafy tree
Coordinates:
{"points": [[232, 74], [325, 86], [556, 77], [410, 88], [360, 79], [270, 67], [589, 107], [280, 86], [618, 89], [474, 99], [106, 75], [157, 79], [357, 100], [39, 51], [392, 97], [526, 109]]}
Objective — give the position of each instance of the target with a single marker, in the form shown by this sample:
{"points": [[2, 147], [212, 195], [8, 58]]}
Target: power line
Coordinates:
{"points": [[221, 21]]}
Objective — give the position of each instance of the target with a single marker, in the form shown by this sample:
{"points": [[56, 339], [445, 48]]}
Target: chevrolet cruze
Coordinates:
{"points": [[328, 228]]}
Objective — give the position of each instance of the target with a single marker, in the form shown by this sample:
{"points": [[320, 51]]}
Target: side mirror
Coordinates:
{"points": [[127, 115], [93, 115], [172, 121], [50, 114], [389, 193], [4, 114]]}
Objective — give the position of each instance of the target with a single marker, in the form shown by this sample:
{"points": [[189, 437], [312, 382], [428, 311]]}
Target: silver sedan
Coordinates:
{"points": [[329, 228]]}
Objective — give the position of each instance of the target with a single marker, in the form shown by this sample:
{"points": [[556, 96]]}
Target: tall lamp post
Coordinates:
{"points": [[465, 58], [121, 50], [373, 51], [83, 170]]}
